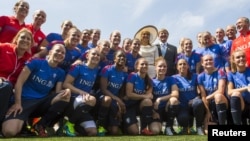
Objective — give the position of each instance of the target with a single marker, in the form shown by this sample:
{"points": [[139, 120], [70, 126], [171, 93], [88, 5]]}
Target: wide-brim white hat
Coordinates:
{"points": [[151, 29]]}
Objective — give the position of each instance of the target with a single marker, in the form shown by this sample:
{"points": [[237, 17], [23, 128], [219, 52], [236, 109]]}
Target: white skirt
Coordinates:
{"points": [[151, 71]]}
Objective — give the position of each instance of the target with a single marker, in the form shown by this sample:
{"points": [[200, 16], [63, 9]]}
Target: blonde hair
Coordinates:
{"points": [[67, 21], [102, 41], [181, 44], [204, 34], [143, 40], [158, 59], [232, 63], [67, 40]]}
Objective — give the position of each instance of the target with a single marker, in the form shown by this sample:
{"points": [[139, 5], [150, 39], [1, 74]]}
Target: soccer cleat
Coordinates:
{"points": [[39, 130], [101, 131], [183, 131], [147, 132], [69, 129], [199, 131], [169, 131], [178, 130], [192, 131], [36, 120]]}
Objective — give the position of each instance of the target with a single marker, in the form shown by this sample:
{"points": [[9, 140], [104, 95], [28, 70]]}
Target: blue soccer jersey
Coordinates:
{"points": [[82, 48], [115, 78], [226, 48], [162, 88], [41, 80], [130, 62], [91, 45], [54, 36], [240, 80], [84, 77], [216, 51], [210, 81], [138, 83], [102, 64], [110, 55], [187, 88], [139, 86]]}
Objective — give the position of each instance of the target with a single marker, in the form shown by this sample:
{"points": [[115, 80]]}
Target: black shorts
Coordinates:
{"points": [[129, 117], [33, 108]]}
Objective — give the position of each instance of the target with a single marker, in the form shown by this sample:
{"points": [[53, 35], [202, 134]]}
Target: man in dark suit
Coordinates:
{"points": [[166, 50]]}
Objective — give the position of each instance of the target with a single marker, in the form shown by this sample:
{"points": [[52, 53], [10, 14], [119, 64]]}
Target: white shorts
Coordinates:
{"points": [[78, 101], [88, 124]]}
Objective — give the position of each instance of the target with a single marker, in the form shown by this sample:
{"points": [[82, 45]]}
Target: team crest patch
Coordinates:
{"points": [[128, 120], [215, 79], [248, 79]]}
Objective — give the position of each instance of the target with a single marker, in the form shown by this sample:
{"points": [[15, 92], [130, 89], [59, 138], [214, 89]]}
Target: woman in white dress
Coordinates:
{"points": [[147, 36]]}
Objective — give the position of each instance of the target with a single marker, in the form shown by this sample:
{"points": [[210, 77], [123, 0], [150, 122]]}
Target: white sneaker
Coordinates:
{"points": [[169, 131], [199, 131]]}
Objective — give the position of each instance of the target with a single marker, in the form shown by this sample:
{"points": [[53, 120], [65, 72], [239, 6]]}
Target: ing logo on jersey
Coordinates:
{"points": [[162, 89], [240, 85], [42, 81], [164, 85]]}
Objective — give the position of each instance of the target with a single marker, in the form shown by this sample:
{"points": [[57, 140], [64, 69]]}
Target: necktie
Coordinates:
{"points": [[163, 49]]}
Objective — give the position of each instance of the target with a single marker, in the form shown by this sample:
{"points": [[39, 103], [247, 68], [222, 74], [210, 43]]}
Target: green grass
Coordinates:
{"points": [[115, 138]]}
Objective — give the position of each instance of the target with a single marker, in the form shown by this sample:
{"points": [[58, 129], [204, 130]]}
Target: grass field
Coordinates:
{"points": [[115, 138]]}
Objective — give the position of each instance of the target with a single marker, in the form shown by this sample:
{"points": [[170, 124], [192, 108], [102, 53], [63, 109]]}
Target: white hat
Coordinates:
{"points": [[151, 29]]}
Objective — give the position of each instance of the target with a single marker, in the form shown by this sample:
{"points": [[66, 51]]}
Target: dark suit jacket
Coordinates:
{"points": [[170, 58]]}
